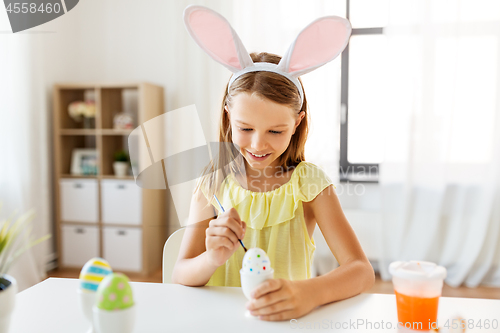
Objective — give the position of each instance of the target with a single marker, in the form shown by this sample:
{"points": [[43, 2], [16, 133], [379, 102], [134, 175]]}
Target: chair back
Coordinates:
{"points": [[170, 254]]}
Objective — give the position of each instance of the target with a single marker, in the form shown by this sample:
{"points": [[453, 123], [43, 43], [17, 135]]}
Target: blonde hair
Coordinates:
{"points": [[271, 86]]}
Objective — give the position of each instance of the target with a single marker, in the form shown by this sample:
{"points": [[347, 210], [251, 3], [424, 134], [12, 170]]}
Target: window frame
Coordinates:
{"points": [[350, 172]]}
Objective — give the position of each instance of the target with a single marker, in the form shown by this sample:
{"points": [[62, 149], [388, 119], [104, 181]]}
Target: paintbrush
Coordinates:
{"points": [[222, 208]]}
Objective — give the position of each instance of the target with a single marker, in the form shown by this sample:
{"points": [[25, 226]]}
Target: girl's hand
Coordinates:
{"points": [[280, 299], [222, 236]]}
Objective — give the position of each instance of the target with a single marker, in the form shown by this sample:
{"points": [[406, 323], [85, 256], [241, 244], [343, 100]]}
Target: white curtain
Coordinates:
{"points": [[24, 142], [440, 177]]}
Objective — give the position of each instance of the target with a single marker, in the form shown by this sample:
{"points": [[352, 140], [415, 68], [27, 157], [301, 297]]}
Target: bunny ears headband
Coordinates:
{"points": [[317, 44]]}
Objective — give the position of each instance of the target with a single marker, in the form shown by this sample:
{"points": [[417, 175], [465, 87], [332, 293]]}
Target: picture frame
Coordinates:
{"points": [[84, 161]]}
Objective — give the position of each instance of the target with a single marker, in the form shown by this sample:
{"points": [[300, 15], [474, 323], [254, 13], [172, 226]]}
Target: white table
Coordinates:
{"points": [[52, 306]]}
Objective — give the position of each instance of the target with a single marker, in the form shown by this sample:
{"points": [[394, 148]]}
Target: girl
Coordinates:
{"points": [[264, 114]]}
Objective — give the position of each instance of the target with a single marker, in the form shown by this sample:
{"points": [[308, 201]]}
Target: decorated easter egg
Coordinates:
{"points": [[256, 262], [114, 293], [92, 273]]}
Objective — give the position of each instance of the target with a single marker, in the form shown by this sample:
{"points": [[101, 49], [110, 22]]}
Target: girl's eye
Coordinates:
{"points": [[249, 129]]}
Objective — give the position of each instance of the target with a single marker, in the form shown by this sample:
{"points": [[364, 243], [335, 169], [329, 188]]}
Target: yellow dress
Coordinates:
{"points": [[275, 223]]}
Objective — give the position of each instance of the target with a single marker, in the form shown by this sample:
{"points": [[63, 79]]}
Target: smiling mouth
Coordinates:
{"points": [[259, 156]]}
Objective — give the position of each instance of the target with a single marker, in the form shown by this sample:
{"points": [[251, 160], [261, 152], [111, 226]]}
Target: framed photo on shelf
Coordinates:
{"points": [[84, 162]]}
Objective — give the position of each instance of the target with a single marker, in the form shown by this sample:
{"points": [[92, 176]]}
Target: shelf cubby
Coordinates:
{"points": [[111, 144], [119, 100], [71, 142], [64, 97]]}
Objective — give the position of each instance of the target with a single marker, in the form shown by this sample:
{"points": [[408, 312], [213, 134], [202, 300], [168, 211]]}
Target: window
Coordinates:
{"points": [[362, 91]]}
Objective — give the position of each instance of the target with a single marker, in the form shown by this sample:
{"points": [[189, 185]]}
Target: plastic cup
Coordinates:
{"points": [[418, 286]]}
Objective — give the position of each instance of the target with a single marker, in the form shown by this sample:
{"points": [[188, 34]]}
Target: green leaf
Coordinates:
{"points": [[9, 238]]}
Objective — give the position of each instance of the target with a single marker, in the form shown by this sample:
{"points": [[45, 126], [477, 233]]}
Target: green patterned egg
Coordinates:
{"points": [[114, 293]]}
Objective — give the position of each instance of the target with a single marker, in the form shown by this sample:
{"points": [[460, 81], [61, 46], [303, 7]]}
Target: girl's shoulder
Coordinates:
{"points": [[310, 172]]}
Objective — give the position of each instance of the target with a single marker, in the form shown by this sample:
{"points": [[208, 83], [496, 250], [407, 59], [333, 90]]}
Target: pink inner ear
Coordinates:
{"points": [[318, 44], [215, 37]]}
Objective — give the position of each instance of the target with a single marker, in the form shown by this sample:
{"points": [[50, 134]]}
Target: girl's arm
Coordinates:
{"points": [[355, 273], [195, 265], [192, 268], [281, 299]]}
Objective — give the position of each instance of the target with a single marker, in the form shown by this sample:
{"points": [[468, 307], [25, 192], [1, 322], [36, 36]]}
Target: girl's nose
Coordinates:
{"points": [[259, 143]]}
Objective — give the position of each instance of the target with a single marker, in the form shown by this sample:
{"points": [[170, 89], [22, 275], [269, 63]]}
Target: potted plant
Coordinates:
{"points": [[10, 233], [121, 164]]}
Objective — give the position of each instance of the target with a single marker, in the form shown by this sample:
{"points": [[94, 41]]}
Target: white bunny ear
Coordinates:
{"points": [[215, 36], [317, 44]]}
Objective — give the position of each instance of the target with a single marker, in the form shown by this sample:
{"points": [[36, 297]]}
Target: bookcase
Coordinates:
{"points": [[103, 215]]}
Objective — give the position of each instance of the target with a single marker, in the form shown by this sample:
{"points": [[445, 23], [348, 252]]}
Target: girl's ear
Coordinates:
{"points": [[299, 119], [318, 43], [216, 37]]}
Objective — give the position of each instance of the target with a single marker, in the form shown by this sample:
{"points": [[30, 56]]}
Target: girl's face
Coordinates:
{"points": [[261, 127]]}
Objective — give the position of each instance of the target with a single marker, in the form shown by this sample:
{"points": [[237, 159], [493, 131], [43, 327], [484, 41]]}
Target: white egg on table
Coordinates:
{"points": [[256, 268]]}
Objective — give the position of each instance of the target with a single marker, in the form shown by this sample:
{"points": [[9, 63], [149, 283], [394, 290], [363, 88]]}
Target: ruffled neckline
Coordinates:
{"points": [[289, 183], [265, 209]]}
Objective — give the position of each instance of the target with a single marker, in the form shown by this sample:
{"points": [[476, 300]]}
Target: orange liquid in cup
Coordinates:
{"points": [[415, 310]]}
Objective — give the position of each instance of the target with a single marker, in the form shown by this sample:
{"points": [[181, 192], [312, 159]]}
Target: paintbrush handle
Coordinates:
{"points": [[222, 208]]}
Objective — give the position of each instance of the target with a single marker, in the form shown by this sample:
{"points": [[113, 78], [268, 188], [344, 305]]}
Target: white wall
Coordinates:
{"points": [[134, 41]]}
